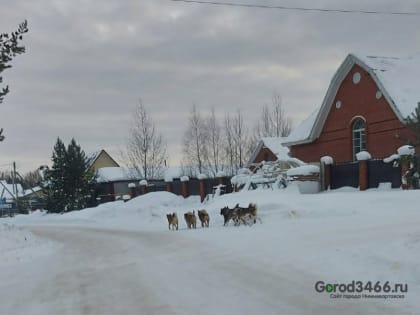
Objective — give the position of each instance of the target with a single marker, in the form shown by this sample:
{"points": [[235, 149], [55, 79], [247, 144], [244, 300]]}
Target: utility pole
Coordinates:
{"points": [[15, 189]]}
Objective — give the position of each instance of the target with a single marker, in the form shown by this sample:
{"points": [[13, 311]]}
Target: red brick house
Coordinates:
{"points": [[365, 108], [270, 149]]}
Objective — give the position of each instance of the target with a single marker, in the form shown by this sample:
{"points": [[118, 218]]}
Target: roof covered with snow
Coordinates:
{"points": [[115, 174], [7, 192], [275, 145], [400, 79], [396, 78]]}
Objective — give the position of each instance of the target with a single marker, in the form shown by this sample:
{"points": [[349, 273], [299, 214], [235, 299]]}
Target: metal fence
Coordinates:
{"points": [[345, 175], [381, 172]]}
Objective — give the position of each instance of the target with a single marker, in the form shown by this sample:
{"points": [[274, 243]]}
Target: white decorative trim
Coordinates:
{"points": [[357, 77]]}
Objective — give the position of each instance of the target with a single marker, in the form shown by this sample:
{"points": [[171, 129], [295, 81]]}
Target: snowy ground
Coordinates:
{"points": [[120, 258]]}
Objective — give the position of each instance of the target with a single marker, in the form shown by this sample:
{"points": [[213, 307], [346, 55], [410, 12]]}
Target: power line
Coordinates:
{"points": [[264, 6]]}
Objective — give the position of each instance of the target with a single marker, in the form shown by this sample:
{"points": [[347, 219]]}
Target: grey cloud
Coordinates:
{"points": [[88, 63]]}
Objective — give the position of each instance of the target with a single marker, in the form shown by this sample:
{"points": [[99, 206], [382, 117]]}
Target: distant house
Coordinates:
{"points": [[113, 182], [101, 159], [270, 149], [8, 193], [35, 198], [365, 109]]}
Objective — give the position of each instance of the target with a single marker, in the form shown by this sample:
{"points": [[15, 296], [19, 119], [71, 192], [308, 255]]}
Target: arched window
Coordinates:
{"points": [[358, 136]]}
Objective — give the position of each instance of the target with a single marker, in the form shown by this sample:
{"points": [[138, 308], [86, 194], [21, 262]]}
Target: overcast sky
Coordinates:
{"points": [[89, 61]]}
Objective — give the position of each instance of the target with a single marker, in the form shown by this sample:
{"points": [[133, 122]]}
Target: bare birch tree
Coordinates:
{"points": [[194, 146], [236, 142], [282, 125], [273, 121], [213, 143], [146, 149], [228, 145]]}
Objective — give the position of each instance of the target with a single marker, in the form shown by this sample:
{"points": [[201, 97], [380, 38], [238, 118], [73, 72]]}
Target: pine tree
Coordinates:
{"points": [[80, 184], [9, 48], [70, 186], [55, 179], [413, 123]]}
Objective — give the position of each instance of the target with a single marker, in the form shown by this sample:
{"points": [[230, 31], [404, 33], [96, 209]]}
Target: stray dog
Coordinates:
{"points": [[190, 219], [245, 215], [204, 218], [228, 213], [172, 221]]}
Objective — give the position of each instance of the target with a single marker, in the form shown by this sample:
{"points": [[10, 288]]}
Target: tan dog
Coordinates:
{"points": [[172, 221], [204, 218], [190, 219]]}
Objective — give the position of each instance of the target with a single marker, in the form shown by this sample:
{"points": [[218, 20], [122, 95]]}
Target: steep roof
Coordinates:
{"points": [[93, 157], [396, 78], [6, 190], [275, 145]]}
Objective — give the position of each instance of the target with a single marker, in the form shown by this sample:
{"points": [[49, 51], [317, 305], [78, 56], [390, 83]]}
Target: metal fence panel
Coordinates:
{"points": [[345, 175], [381, 172]]}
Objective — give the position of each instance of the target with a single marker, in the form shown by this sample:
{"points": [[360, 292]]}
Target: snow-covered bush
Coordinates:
{"points": [[406, 154]]}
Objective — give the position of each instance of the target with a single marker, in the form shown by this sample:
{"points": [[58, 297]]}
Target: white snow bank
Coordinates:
{"points": [[303, 170], [338, 236], [19, 244]]}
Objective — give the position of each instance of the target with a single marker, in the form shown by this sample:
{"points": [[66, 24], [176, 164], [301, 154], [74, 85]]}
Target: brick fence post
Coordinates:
{"points": [[168, 182], [132, 190], [362, 157], [184, 186], [326, 162], [143, 187], [203, 187], [363, 175]]}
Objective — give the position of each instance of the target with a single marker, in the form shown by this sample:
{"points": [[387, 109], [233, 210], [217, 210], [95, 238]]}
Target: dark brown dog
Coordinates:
{"points": [[190, 219], [204, 218], [172, 221], [228, 213]]}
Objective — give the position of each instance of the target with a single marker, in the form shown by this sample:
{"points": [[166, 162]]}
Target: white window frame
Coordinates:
{"points": [[358, 136]]}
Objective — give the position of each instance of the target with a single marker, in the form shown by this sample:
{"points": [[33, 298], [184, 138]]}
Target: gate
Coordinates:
{"points": [[345, 175], [381, 172]]}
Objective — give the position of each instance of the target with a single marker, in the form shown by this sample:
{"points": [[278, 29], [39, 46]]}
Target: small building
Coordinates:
{"points": [[365, 109], [9, 192], [101, 159], [271, 149]]}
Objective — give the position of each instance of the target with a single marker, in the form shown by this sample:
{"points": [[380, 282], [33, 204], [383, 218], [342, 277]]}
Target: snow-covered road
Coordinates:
{"points": [[104, 271]]}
